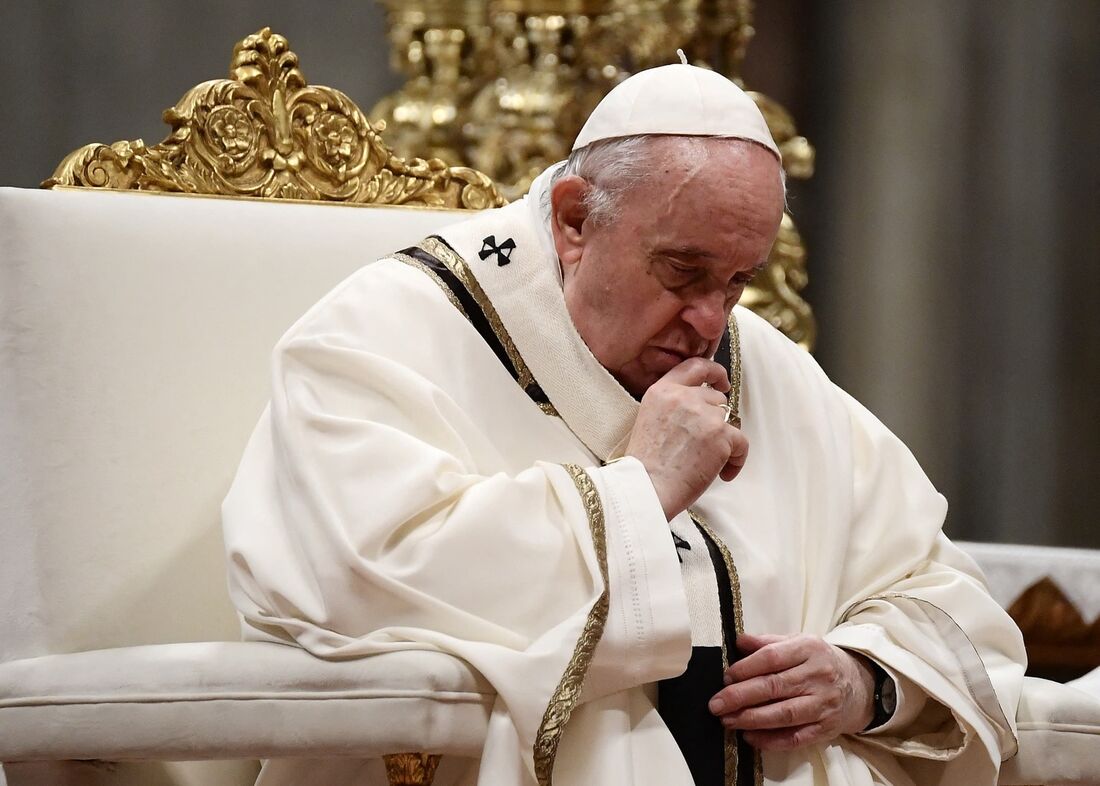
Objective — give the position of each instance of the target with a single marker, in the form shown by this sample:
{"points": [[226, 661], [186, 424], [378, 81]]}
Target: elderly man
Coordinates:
{"points": [[526, 442]]}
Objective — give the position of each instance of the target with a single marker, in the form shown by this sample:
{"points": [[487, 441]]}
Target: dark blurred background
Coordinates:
{"points": [[952, 221]]}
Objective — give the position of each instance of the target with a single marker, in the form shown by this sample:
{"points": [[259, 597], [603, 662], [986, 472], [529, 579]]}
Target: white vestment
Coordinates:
{"points": [[404, 491]]}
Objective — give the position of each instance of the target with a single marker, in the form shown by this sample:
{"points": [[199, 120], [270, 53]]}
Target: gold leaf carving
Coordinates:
{"points": [[410, 769], [1056, 635], [775, 293], [265, 132]]}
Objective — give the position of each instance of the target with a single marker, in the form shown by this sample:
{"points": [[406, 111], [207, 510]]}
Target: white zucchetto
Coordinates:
{"points": [[680, 100]]}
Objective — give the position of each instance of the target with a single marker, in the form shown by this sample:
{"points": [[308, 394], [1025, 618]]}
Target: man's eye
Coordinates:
{"points": [[744, 279], [678, 269]]}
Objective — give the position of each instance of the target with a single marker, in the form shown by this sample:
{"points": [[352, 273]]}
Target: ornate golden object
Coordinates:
{"points": [[441, 46], [774, 292], [411, 769], [505, 86], [265, 133], [525, 119], [652, 30], [723, 36], [1058, 639]]}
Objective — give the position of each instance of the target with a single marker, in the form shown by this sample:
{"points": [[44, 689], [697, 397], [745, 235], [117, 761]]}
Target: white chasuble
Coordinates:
{"points": [[430, 474]]}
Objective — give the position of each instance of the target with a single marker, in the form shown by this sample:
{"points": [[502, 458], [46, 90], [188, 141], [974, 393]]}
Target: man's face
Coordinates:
{"points": [[656, 286]]}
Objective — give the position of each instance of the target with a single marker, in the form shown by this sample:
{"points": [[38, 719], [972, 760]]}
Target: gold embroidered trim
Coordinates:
{"points": [[568, 691], [458, 266], [451, 296], [549, 409], [735, 372], [735, 586]]}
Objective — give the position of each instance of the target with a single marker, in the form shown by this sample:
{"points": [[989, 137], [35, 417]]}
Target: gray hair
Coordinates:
{"points": [[613, 167]]}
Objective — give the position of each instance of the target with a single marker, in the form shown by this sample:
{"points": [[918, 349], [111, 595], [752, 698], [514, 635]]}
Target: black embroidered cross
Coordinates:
{"points": [[680, 544], [503, 251]]}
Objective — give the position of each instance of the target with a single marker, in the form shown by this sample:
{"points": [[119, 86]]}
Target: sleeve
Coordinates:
{"points": [[371, 512], [917, 605]]}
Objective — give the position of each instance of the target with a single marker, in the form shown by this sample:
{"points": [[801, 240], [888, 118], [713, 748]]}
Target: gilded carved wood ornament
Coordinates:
{"points": [[265, 132]]}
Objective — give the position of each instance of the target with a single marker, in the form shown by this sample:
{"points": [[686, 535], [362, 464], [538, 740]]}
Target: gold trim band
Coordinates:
{"points": [[564, 700], [461, 269], [416, 263], [735, 372], [735, 584]]}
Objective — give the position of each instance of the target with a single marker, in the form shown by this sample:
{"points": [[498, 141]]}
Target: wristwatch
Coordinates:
{"points": [[885, 697]]}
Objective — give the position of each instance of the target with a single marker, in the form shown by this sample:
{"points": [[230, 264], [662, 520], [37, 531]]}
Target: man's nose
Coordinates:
{"points": [[707, 315]]}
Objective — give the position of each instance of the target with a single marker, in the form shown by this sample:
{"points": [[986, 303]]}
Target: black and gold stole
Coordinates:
{"points": [[715, 756], [442, 263]]}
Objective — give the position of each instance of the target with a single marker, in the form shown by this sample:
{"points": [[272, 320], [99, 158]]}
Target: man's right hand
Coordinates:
{"points": [[681, 435]]}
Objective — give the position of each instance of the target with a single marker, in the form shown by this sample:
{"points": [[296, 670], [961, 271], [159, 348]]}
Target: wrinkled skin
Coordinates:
{"points": [[650, 293], [656, 286], [792, 691]]}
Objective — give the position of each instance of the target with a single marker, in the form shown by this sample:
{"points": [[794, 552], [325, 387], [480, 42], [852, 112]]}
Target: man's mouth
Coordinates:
{"points": [[683, 354], [679, 356]]}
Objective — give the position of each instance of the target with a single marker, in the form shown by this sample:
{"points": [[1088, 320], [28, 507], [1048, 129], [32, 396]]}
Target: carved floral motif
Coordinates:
{"points": [[411, 769], [265, 132]]}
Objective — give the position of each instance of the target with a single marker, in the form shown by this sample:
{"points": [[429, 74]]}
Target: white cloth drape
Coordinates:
{"points": [[402, 491]]}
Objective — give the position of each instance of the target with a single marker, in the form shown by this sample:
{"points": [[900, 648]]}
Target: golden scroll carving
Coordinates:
{"points": [[411, 769], [265, 132], [1060, 642]]}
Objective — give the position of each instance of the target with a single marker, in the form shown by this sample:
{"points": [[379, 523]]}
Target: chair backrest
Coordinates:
{"points": [[135, 332], [135, 337]]}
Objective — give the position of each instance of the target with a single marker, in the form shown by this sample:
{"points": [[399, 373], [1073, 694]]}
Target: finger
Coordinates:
{"points": [[739, 453], [770, 658], [799, 711], [748, 643], [786, 739], [751, 642], [765, 689], [693, 372], [712, 398]]}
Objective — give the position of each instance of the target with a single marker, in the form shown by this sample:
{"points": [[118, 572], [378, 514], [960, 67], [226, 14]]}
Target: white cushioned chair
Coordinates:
{"points": [[135, 338]]}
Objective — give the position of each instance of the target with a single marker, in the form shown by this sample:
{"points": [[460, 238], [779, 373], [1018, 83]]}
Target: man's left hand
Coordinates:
{"points": [[792, 691]]}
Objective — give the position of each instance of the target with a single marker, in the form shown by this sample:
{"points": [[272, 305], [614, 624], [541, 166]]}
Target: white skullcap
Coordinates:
{"points": [[681, 100]]}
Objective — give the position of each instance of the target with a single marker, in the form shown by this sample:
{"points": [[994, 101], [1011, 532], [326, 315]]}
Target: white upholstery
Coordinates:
{"points": [[135, 332], [1059, 728], [232, 700], [135, 335], [134, 338]]}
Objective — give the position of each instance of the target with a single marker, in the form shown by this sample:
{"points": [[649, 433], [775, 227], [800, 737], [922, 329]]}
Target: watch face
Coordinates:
{"points": [[889, 696]]}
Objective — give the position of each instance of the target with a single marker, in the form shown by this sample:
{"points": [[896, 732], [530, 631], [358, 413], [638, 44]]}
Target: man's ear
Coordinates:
{"points": [[567, 215]]}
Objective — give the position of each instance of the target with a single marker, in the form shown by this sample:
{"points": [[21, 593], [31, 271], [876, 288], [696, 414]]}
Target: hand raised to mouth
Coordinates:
{"points": [[682, 435]]}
